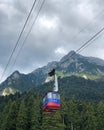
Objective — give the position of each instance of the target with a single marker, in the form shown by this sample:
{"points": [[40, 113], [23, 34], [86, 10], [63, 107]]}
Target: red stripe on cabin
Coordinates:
{"points": [[51, 106]]}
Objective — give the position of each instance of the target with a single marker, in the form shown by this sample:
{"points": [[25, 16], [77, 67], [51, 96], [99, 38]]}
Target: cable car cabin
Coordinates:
{"points": [[51, 102]]}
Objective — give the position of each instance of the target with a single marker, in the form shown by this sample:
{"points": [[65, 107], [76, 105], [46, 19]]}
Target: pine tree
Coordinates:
{"points": [[5, 115], [64, 110], [52, 121], [73, 116], [89, 120], [34, 113], [100, 116], [22, 117], [9, 117]]}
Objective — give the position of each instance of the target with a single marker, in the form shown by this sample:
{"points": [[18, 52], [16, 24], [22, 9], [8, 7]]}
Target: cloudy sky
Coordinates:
{"points": [[62, 26]]}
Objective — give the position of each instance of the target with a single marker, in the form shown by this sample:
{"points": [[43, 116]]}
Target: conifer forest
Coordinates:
{"points": [[24, 112]]}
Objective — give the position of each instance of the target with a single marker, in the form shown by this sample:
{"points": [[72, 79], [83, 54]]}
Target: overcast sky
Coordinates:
{"points": [[62, 26]]}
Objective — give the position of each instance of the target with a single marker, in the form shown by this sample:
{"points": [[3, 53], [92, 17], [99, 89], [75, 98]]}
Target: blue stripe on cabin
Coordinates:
{"points": [[57, 101]]}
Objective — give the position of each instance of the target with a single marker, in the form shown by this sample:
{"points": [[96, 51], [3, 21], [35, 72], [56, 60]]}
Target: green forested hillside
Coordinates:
{"points": [[77, 87], [24, 112]]}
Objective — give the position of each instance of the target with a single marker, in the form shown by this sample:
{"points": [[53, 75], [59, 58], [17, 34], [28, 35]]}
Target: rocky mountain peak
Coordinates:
{"points": [[15, 74], [68, 56], [71, 53], [72, 56]]}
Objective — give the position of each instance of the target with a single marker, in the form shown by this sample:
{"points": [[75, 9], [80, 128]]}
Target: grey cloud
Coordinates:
{"points": [[42, 42]]}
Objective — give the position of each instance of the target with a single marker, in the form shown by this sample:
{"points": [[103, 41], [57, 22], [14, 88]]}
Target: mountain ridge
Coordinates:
{"points": [[70, 64]]}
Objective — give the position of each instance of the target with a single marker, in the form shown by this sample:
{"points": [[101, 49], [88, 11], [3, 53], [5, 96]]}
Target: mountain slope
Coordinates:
{"points": [[77, 87], [68, 65], [76, 63]]}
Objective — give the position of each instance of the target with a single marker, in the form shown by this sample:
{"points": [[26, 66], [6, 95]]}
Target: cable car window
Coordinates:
{"points": [[58, 96], [49, 95], [54, 96], [44, 99]]}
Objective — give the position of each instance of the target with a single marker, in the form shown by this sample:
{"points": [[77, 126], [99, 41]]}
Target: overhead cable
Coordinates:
{"points": [[85, 44], [16, 44], [24, 42], [83, 29], [90, 40]]}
